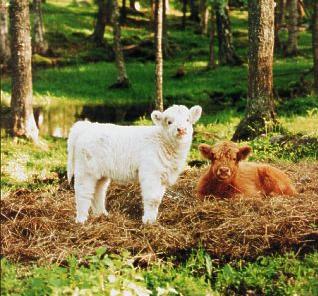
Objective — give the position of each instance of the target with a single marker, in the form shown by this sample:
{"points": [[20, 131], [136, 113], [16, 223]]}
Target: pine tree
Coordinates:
{"points": [[5, 52], [227, 55], [40, 44], [122, 80], [159, 59], [23, 122], [315, 44], [260, 104], [292, 42]]}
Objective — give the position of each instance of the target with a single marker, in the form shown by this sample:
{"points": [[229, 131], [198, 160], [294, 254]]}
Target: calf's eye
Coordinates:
{"points": [[169, 122]]}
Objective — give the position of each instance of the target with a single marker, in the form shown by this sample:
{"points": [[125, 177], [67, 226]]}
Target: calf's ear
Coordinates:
{"points": [[157, 117], [243, 153], [206, 151], [195, 113]]}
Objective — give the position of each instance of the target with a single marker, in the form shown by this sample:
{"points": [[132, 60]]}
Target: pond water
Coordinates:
{"points": [[56, 120]]}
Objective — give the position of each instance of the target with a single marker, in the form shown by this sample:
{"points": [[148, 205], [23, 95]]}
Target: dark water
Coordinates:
{"points": [[56, 120]]}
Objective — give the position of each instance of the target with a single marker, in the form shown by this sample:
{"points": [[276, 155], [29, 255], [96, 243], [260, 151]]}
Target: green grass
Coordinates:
{"points": [[25, 166], [104, 274]]}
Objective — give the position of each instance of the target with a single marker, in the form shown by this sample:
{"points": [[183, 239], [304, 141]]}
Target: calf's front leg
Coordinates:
{"points": [[152, 192]]}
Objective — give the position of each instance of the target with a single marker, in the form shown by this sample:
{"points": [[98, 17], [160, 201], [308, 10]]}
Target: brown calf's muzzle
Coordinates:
{"points": [[223, 172]]}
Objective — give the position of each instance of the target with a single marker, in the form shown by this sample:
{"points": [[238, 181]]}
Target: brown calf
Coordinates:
{"points": [[228, 176]]}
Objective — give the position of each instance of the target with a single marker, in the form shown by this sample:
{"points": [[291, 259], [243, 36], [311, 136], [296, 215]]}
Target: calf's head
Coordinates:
{"points": [[224, 157], [177, 121]]}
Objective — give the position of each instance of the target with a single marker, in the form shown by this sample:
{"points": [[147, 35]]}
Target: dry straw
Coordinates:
{"points": [[40, 225]]}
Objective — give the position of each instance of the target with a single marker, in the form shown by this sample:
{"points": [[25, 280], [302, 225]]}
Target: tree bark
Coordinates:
{"points": [[315, 44], [123, 11], [23, 122], [165, 41], [151, 15], [132, 5], [204, 17], [227, 55], [279, 20], [5, 52], [260, 105], [109, 11], [159, 60], [211, 64], [40, 44], [167, 5], [184, 14], [292, 42], [122, 80], [103, 17]]}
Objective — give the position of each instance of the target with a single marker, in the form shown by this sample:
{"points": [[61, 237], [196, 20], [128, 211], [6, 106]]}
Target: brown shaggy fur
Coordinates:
{"points": [[228, 176]]}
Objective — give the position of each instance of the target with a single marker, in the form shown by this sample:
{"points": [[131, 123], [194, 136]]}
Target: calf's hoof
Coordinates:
{"points": [[148, 219], [80, 220]]}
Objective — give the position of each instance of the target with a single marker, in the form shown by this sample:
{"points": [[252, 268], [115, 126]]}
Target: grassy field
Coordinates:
{"points": [[77, 73], [198, 275]]}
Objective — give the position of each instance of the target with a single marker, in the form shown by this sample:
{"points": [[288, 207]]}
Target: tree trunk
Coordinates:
{"points": [[159, 60], [279, 20], [23, 122], [109, 11], [184, 14], [132, 5], [204, 17], [122, 80], [167, 4], [40, 44], [260, 105], [152, 15], [292, 42], [315, 44], [227, 55], [211, 64], [165, 41], [5, 52], [123, 11], [194, 11], [103, 18]]}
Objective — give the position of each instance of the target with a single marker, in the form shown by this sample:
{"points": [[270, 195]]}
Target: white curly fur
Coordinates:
{"points": [[154, 155]]}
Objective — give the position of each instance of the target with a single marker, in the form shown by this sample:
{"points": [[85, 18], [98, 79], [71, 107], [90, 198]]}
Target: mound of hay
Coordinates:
{"points": [[40, 225]]}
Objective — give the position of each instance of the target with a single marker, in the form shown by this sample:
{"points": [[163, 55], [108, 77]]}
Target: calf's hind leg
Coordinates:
{"points": [[98, 202], [274, 181], [84, 192]]}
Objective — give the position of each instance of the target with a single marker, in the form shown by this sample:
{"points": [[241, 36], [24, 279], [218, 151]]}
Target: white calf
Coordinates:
{"points": [[156, 155]]}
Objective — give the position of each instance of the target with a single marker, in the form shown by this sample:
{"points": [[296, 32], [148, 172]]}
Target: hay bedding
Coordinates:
{"points": [[40, 225]]}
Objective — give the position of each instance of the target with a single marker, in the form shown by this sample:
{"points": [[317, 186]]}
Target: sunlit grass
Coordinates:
{"points": [[307, 125]]}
